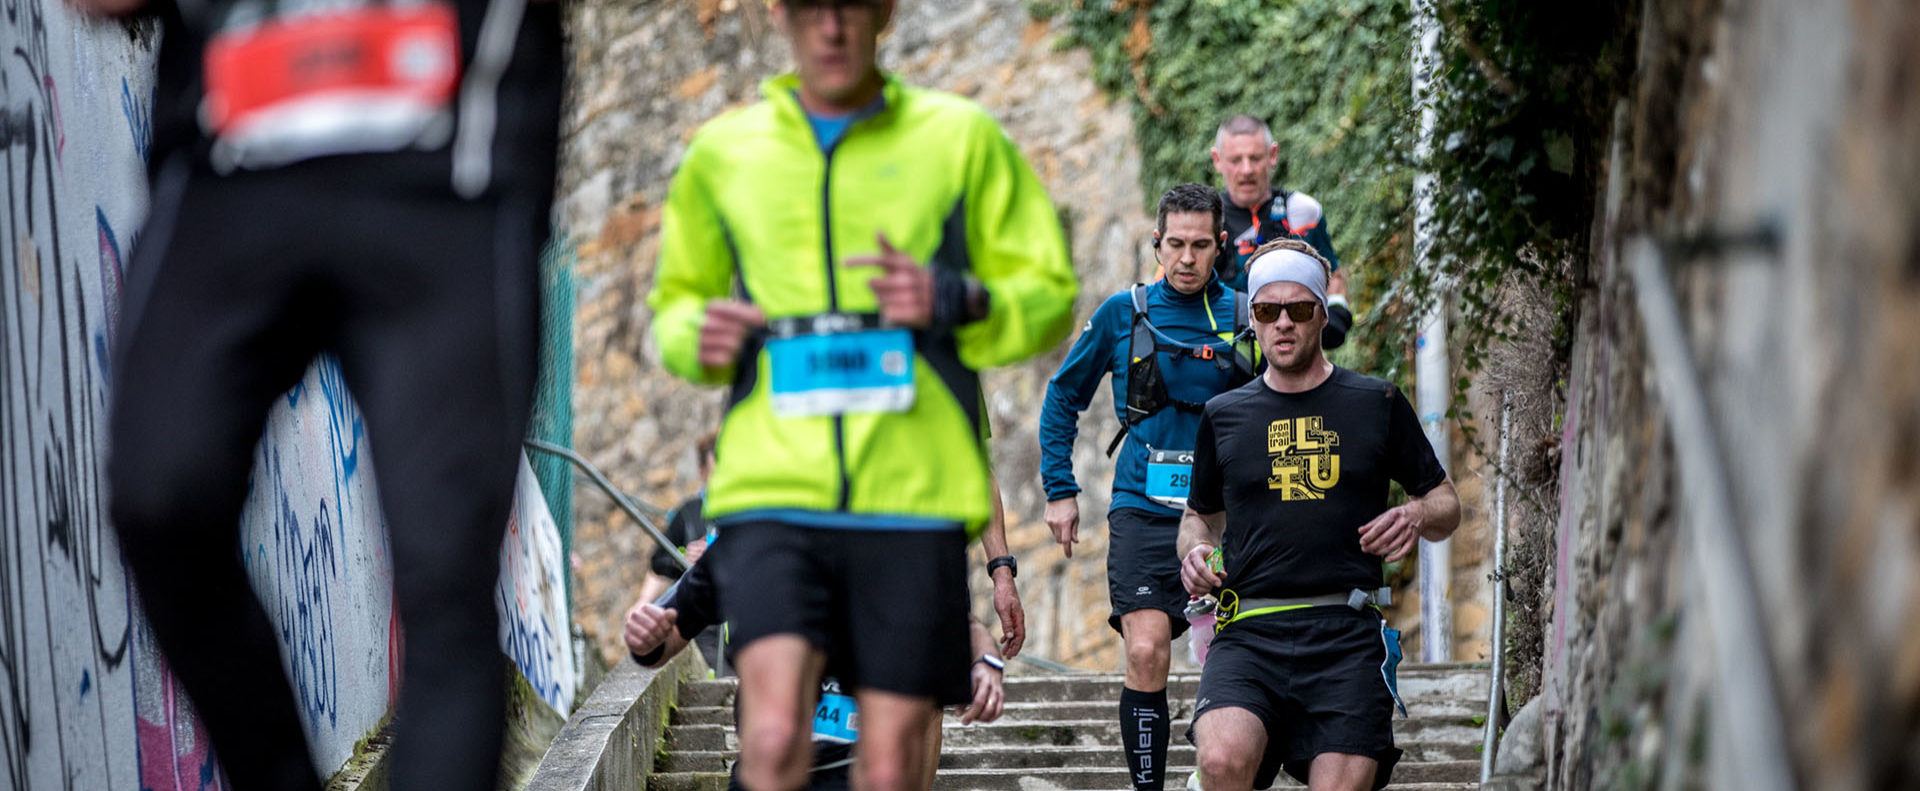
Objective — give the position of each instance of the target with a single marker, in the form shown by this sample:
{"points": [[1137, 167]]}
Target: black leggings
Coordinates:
{"points": [[431, 304]]}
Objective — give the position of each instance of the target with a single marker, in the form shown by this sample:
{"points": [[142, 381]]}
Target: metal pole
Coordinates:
{"points": [[1746, 704], [1496, 687], [619, 498], [1433, 385]]}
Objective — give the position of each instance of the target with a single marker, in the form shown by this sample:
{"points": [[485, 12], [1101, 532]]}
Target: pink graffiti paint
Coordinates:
{"points": [[59, 127], [396, 650], [170, 759]]}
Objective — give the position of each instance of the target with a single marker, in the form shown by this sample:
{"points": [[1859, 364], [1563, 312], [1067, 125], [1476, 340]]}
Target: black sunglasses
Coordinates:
{"points": [[1269, 312]]}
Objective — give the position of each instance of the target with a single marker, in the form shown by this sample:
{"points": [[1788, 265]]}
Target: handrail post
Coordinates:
{"points": [[1747, 706], [1496, 686], [619, 498]]}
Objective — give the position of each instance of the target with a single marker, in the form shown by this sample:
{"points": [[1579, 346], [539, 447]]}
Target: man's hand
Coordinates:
{"points": [[1392, 534], [725, 331], [647, 627], [1063, 518], [1200, 578], [904, 288], [988, 695], [1013, 619], [694, 550]]}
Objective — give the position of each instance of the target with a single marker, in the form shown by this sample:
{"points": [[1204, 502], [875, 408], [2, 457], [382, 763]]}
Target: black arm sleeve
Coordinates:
{"points": [[1410, 459], [1339, 323], [1205, 496], [678, 524], [696, 599]]}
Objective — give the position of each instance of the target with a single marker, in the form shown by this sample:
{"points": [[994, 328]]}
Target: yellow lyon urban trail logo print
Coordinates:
{"points": [[1304, 464]]}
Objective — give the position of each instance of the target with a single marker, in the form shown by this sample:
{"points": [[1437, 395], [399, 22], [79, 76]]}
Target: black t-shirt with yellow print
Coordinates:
{"points": [[1299, 473]]}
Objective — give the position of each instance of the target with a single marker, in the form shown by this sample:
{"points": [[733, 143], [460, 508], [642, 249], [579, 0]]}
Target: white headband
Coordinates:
{"points": [[1287, 266]]}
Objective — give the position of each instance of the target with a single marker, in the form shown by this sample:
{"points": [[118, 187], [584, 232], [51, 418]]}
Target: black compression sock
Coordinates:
{"points": [[1143, 735]]}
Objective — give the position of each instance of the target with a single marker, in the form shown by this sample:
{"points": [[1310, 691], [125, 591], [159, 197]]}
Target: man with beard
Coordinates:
{"points": [[1290, 480]]}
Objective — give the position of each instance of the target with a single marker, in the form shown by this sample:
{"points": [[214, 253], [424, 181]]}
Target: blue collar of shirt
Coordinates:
{"points": [[829, 129]]}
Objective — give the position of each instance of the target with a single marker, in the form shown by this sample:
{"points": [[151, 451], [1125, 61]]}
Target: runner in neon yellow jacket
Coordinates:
{"points": [[761, 210]]}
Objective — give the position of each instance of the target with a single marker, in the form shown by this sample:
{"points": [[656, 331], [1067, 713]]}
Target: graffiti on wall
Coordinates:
{"points": [[316, 552], [86, 701], [66, 673], [531, 597]]}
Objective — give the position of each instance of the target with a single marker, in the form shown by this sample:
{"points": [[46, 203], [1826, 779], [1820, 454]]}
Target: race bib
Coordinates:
{"points": [[840, 364], [358, 80], [1169, 476], [837, 718]]}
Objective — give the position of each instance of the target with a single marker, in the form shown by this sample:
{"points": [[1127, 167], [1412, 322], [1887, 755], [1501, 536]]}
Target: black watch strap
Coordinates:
{"points": [[1004, 560]]}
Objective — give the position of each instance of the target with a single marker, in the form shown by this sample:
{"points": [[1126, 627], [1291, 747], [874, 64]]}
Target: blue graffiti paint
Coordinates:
{"points": [[308, 573], [139, 113], [102, 361], [343, 418], [86, 682], [530, 642]]}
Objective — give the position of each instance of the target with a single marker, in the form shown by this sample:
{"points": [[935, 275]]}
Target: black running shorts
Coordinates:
{"points": [[1143, 566], [889, 607], [1317, 678]]}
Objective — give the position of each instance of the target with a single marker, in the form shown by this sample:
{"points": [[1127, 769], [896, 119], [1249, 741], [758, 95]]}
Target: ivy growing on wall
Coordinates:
{"points": [[1330, 77], [1522, 93]]}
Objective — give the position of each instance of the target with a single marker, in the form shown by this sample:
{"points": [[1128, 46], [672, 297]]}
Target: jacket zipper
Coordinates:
{"points": [[833, 306]]}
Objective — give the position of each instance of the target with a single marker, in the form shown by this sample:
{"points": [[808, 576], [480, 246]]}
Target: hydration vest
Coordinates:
{"points": [[1147, 388]]}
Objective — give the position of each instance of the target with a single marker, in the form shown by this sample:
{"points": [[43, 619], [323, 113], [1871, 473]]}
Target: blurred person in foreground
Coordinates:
{"points": [[845, 255], [370, 181], [656, 631]]}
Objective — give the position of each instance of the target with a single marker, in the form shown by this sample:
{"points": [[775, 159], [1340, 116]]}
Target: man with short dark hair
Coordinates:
{"points": [[846, 255], [1168, 346], [1290, 480], [1258, 211]]}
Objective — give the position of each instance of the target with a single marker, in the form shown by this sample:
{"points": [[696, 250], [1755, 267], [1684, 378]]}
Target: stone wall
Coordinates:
{"points": [[1799, 119], [646, 75]]}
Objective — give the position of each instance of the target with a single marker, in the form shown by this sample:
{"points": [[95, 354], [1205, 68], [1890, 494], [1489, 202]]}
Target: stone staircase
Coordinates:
{"points": [[1062, 732]]}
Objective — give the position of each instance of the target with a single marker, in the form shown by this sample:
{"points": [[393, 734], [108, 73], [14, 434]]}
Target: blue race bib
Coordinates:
{"points": [[839, 364], [1169, 476], [836, 719]]}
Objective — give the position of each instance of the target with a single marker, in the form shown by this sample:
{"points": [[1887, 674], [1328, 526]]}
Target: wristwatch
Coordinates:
{"points": [[992, 661], [1004, 560]]}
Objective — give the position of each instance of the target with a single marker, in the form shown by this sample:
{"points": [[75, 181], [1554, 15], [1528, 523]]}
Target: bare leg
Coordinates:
{"points": [[779, 687], [1148, 635], [1341, 772], [893, 741], [1230, 743]]}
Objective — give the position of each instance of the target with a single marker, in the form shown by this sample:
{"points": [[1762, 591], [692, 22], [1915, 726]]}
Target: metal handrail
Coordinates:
{"points": [[619, 498], [1046, 664], [1748, 707], [1496, 686]]}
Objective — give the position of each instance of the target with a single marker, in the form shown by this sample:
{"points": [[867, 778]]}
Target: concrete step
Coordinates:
{"points": [[1076, 778], [1179, 753], [1055, 711], [688, 781], [1463, 681], [1039, 780], [1084, 733]]}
